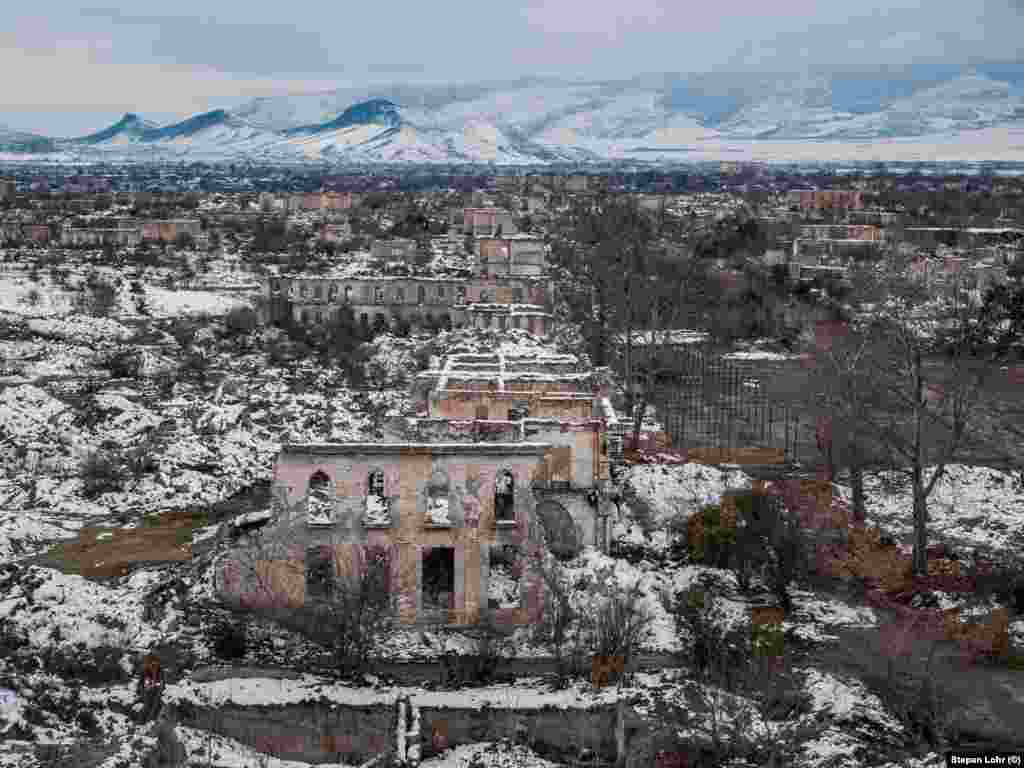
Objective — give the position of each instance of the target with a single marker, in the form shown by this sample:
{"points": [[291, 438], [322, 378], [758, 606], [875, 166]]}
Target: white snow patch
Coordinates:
{"points": [[167, 303]]}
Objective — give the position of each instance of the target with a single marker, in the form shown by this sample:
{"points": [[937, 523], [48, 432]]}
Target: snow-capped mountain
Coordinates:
{"points": [[539, 121], [20, 141]]}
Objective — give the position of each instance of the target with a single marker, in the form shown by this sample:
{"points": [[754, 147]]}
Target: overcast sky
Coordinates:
{"points": [[71, 69]]}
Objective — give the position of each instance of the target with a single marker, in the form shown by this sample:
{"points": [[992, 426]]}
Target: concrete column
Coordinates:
{"points": [[400, 731], [413, 749]]}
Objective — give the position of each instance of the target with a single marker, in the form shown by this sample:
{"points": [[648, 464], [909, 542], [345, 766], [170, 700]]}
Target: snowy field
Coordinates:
{"points": [[973, 507]]}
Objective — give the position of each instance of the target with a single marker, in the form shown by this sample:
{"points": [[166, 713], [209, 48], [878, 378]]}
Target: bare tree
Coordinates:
{"points": [[905, 383], [344, 607]]}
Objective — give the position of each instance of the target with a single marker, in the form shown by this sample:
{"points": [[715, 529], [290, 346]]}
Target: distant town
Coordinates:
{"points": [[705, 466]]}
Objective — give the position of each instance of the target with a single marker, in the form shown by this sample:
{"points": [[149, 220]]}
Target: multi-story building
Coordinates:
{"points": [[826, 199], [421, 301], [511, 255], [502, 317], [969, 237], [106, 236], [487, 222], [508, 396], [336, 233], [814, 251], [395, 249], [841, 232], [168, 231], [310, 201], [451, 527]]}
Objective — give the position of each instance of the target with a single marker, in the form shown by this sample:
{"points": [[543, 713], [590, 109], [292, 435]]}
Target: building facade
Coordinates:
{"points": [[826, 199], [514, 255], [168, 231], [504, 397], [488, 222], [453, 526], [113, 236], [420, 301], [395, 249]]}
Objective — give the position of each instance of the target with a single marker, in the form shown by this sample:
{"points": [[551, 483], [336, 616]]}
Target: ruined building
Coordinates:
{"points": [[508, 460]]}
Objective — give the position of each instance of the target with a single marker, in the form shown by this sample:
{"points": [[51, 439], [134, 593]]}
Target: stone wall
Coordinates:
{"points": [[318, 732]]}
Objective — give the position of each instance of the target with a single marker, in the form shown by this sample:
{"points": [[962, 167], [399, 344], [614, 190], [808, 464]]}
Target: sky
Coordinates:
{"points": [[81, 65]]}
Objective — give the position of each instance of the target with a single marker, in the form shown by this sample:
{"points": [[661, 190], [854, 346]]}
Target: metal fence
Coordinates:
{"points": [[707, 402]]}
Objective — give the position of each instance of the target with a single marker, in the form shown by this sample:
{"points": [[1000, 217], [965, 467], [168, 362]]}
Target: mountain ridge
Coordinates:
{"points": [[543, 120]]}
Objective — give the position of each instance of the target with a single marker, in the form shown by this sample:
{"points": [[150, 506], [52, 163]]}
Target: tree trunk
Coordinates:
{"points": [[857, 484], [920, 501], [920, 525]]}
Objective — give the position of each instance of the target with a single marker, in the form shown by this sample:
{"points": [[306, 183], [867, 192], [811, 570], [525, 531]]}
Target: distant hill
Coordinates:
{"points": [[534, 121]]}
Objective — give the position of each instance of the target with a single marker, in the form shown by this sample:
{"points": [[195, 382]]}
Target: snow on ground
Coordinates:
{"points": [[167, 303], [21, 296], [393, 360], [679, 491], [594, 568], [28, 414], [205, 748], [57, 610], [526, 693], [23, 532], [31, 359], [81, 328], [813, 615], [847, 701], [489, 755], [760, 354], [971, 506]]}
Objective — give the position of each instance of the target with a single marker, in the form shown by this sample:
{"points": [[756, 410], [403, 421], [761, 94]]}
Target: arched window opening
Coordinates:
{"points": [[504, 497], [504, 577], [319, 505], [437, 500], [378, 509]]}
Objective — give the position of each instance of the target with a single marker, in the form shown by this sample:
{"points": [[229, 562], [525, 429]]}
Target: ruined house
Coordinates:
{"points": [[451, 525], [506, 397]]}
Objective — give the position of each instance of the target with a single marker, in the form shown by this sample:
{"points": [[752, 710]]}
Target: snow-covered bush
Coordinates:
{"points": [[101, 472]]}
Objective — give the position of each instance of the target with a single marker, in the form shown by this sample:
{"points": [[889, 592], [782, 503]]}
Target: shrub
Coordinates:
{"points": [[123, 365], [558, 625], [230, 639], [241, 321], [169, 751], [620, 626], [717, 653], [101, 472], [709, 538]]}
